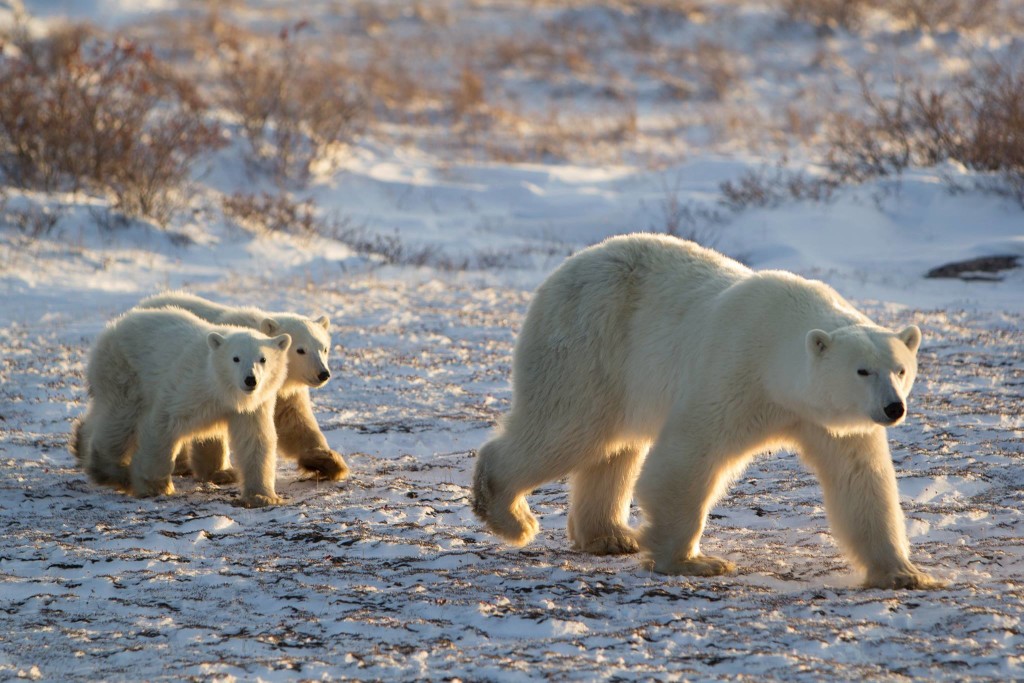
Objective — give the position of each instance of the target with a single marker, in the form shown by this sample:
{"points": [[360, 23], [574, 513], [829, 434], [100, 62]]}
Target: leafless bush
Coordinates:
{"points": [[936, 15], [828, 14], [78, 112], [978, 122], [269, 213], [768, 187], [293, 105]]}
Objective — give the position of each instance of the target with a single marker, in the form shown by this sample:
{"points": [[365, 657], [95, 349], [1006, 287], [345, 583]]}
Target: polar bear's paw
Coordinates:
{"points": [[325, 464], [912, 579], [228, 475], [619, 541], [515, 524], [147, 488], [260, 500], [701, 565]]}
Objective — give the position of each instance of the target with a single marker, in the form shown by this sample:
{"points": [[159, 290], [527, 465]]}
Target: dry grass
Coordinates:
{"points": [[79, 112], [293, 104], [978, 122]]}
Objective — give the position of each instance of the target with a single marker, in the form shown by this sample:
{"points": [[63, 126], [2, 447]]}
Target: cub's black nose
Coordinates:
{"points": [[250, 381], [324, 376], [894, 411]]}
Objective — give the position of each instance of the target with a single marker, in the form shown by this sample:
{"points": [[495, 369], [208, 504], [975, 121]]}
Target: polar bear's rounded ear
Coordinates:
{"points": [[214, 340], [911, 336], [818, 342], [282, 341], [269, 326], [323, 321]]}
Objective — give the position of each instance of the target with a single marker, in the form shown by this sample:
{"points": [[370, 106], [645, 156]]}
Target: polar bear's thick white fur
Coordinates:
{"points": [[160, 378], [651, 342], [299, 435]]}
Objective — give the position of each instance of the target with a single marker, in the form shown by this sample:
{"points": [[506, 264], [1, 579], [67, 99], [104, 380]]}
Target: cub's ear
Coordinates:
{"points": [[214, 340], [282, 341], [269, 327], [324, 322], [818, 342], [911, 336]]}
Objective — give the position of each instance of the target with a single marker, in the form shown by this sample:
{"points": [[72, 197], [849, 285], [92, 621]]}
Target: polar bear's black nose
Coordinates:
{"points": [[250, 381], [894, 411], [324, 376]]}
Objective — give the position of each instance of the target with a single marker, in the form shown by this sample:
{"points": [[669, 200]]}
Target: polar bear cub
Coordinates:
{"points": [[158, 379], [648, 342], [299, 435]]}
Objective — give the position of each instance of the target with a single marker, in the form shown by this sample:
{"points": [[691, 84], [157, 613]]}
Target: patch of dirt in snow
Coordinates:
{"points": [[388, 576]]}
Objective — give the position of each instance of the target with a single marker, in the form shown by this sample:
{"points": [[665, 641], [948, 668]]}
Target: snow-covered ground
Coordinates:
{"points": [[387, 575]]}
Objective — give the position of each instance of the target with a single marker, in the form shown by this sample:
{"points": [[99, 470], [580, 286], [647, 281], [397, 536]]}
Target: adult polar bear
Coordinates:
{"points": [[158, 379], [647, 339], [299, 436]]}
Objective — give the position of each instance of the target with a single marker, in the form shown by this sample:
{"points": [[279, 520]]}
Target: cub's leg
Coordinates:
{"points": [[599, 497], [299, 437], [107, 437], [153, 461], [254, 447], [681, 479], [208, 458], [862, 502]]}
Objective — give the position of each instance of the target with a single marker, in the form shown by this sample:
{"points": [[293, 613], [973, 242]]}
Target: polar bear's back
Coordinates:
{"points": [[205, 309]]}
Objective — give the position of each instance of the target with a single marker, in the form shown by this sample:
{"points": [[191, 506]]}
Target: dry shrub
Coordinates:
{"points": [[767, 187], [937, 15], [78, 112], [293, 105], [273, 213], [978, 122], [828, 14]]}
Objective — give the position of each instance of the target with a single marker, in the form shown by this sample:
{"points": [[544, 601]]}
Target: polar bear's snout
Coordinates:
{"points": [[895, 410], [324, 375], [250, 382]]}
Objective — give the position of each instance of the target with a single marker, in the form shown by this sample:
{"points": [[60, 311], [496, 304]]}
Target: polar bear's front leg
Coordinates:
{"points": [[254, 445], [862, 503], [680, 482], [300, 437]]}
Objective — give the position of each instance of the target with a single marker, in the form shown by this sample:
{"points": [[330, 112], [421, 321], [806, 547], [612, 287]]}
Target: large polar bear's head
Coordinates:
{"points": [[249, 366], [861, 375], [311, 344]]}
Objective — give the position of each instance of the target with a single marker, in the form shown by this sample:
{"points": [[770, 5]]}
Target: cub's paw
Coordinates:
{"points": [[260, 500], [911, 579], [326, 464], [225, 476], [147, 488], [617, 542], [701, 565]]}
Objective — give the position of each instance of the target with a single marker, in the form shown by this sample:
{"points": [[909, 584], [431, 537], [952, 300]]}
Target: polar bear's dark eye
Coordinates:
{"points": [[863, 373], [901, 372], [301, 352], [235, 359], [262, 359]]}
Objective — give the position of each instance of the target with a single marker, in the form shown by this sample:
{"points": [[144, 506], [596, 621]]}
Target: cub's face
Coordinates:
{"points": [[861, 375], [249, 362], [311, 344]]}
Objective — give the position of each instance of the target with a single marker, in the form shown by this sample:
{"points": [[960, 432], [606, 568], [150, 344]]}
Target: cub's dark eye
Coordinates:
{"points": [[263, 360], [301, 352], [863, 373], [235, 359], [902, 372]]}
